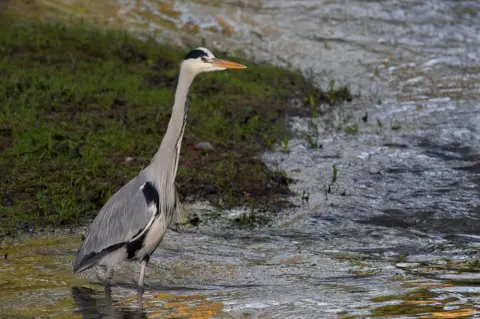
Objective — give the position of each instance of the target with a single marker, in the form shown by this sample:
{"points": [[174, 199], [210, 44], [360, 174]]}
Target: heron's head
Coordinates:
{"points": [[202, 60]]}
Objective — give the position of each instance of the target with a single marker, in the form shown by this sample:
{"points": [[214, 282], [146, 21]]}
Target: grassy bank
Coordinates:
{"points": [[82, 111]]}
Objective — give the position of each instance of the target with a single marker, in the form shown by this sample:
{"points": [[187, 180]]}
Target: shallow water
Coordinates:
{"points": [[396, 234]]}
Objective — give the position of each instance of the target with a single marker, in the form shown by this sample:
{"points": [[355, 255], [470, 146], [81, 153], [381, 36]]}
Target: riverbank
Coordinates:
{"points": [[84, 110]]}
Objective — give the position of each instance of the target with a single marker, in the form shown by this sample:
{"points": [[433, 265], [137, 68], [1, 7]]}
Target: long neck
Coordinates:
{"points": [[166, 158]]}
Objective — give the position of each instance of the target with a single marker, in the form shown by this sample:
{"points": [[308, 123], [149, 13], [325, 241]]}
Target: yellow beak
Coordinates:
{"points": [[228, 64]]}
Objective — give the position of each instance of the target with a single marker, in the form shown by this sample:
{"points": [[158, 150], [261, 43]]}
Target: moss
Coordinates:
{"points": [[415, 302], [37, 282], [405, 309], [77, 102], [417, 294]]}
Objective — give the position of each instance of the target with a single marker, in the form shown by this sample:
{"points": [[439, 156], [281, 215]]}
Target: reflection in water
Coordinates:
{"points": [[90, 305]]}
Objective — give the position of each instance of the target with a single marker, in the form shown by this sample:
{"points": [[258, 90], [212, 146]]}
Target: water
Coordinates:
{"points": [[395, 235]]}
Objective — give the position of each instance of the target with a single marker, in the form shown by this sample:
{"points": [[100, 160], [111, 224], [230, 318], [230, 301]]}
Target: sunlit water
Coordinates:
{"points": [[402, 215]]}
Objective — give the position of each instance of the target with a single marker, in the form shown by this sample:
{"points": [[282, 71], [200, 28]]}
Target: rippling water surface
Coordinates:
{"points": [[395, 234]]}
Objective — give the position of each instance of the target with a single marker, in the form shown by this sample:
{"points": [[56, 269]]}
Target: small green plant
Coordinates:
{"points": [[284, 178], [250, 219], [246, 219], [285, 141], [312, 138], [403, 257], [334, 174], [395, 126], [312, 142], [331, 91], [311, 99], [342, 93], [351, 129], [252, 209]]}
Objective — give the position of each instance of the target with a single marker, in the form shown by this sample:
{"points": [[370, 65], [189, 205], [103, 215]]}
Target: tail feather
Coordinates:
{"points": [[84, 261]]}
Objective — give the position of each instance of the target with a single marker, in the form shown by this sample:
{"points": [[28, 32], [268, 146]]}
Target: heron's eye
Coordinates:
{"points": [[204, 59]]}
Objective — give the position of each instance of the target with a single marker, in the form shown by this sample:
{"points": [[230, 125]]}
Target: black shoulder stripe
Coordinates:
{"points": [[151, 194], [134, 246], [195, 54]]}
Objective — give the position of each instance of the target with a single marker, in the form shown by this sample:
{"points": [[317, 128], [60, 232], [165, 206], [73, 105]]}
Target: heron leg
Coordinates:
{"points": [[109, 276], [140, 299], [142, 272], [108, 295]]}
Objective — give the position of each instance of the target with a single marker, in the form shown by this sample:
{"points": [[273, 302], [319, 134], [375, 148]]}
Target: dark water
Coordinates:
{"points": [[396, 234]]}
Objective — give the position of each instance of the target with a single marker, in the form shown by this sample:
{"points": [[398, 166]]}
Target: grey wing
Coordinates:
{"points": [[124, 215]]}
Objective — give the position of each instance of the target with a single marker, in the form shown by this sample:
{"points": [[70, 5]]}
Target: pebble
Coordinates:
{"points": [[204, 146]]}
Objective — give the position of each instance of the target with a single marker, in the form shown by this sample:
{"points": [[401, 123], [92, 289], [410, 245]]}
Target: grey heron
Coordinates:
{"points": [[133, 222]]}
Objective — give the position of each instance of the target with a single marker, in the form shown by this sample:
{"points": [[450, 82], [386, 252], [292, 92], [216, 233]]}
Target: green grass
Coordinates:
{"points": [[75, 102]]}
